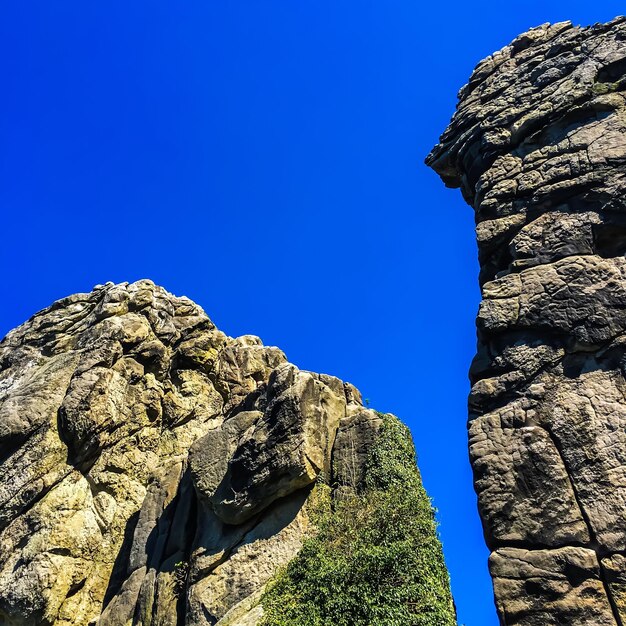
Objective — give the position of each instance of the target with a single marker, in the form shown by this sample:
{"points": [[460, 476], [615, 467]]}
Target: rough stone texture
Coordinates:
{"points": [[154, 471], [538, 148], [545, 587]]}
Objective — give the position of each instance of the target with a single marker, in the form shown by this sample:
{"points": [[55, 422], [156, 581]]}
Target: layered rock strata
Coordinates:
{"points": [[538, 148], [154, 471]]}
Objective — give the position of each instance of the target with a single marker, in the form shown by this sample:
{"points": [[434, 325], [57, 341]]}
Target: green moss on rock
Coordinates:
{"points": [[376, 558], [600, 89]]}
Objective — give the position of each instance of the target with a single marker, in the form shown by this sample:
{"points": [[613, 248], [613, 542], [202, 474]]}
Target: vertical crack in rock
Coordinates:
{"points": [[593, 542], [537, 146]]}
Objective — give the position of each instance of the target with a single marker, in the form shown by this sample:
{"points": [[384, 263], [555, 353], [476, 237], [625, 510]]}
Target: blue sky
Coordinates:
{"points": [[266, 159]]}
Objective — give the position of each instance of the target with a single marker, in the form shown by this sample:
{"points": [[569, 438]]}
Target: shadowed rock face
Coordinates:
{"points": [[538, 148], [154, 470]]}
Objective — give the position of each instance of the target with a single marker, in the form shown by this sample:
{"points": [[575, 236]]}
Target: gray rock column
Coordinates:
{"points": [[538, 148]]}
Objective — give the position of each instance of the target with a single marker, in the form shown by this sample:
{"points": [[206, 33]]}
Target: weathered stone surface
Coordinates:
{"points": [[247, 563], [545, 587], [538, 147], [154, 470], [614, 568], [356, 433], [525, 492], [278, 451]]}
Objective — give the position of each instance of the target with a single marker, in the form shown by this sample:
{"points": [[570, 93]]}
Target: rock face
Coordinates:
{"points": [[538, 147], [154, 471]]}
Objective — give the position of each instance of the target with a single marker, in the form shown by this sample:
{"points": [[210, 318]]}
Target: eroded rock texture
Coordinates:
{"points": [[154, 471], [538, 147]]}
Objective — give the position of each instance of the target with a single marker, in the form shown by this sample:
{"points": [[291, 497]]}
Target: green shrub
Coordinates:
{"points": [[376, 558]]}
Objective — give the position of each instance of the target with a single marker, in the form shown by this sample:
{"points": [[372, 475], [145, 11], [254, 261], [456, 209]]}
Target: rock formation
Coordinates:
{"points": [[154, 471], [538, 147]]}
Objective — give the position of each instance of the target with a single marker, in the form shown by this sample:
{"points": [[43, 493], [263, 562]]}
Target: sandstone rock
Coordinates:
{"points": [[277, 452], [614, 568], [541, 587], [538, 147], [525, 494], [154, 470]]}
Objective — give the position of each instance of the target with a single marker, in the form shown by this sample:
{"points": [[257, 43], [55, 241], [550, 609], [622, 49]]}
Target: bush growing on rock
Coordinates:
{"points": [[375, 558]]}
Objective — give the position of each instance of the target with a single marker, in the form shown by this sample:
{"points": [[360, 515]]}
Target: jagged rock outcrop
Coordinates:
{"points": [[538, 147], [154, 471]]}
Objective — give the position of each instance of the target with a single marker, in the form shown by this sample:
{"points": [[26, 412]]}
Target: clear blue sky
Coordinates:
{"points": [[266, 159]]}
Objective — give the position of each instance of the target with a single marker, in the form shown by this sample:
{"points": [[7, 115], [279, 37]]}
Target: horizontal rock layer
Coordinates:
{"points": [[154, 470], [538, 147]]}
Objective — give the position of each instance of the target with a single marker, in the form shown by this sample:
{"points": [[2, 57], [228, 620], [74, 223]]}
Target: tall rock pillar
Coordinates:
{"points": [[538, 148]]}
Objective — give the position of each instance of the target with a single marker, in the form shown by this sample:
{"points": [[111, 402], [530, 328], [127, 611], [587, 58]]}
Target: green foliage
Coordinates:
{"points": [[376, 557]]}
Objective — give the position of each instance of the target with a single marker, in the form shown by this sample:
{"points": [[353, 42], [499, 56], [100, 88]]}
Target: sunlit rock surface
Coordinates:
{"points": [[538, 148], [154, 470]]}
